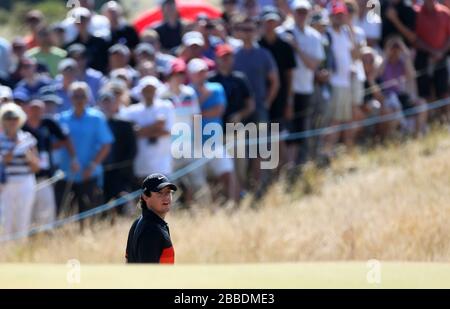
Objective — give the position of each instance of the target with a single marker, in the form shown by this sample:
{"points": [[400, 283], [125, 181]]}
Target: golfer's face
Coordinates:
{"points": [[162, 200]]}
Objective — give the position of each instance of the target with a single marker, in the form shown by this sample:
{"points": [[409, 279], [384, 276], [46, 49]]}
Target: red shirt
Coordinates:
{"points": [[31, 41], [433, 26]]}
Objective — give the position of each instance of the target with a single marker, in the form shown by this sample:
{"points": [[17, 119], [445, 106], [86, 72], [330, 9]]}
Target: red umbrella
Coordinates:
{"points": [[188, 10]]}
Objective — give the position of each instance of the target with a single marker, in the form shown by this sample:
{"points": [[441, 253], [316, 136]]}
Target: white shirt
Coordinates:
{"points": [[358, 67], [310, 42], [371, 28], [185, 103], [152, 157], [18, 168], [341, 47], [186, 107]]}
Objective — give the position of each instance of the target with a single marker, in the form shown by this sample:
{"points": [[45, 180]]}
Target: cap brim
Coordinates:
{"points": [[165, 185]]}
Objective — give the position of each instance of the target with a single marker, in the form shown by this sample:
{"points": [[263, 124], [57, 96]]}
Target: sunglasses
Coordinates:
{"points": [[246, 29], [79, 97]]}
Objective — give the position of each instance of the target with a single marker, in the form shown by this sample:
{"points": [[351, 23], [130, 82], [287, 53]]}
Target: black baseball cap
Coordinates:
{"points": [[156, 182]]}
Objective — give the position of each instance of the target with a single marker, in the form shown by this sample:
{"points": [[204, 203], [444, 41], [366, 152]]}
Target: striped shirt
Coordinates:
{"points": [[19, 166]]}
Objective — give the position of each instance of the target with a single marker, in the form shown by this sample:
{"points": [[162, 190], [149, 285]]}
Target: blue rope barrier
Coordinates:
{"points": [[200, 162]]}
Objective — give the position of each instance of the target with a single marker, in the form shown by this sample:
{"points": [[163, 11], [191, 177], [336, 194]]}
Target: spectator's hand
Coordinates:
{"points": [[289, 111], [31, 157], [289, 38], [391, 14], [235, 118], [161, 124], [323, 76], [87, 174], [437, 56], [8, 157], [75, 166]]}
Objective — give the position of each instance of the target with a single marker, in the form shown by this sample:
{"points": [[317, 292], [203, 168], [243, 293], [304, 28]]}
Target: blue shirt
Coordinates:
{"points": [[32, 91], [88, 134], [216, 98], [256, 63], [96, 80]]}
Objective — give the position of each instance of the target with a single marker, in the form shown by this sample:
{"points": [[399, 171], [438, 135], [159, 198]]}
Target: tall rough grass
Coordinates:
{"points": [[390, 203]]}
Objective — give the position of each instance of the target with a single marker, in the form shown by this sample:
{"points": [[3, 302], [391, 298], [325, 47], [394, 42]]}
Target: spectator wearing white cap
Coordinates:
{"points": [[185, 100], [19, 162], [119, 58], [193, 47], [307, 43], [98, 24], [153, 118], [212, 99], [96, 47]]}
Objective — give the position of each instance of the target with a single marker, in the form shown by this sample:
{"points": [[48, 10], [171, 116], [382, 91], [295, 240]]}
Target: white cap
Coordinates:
{"points": [[301, 4], [81, 12], [149, 81], [6, 93], [193, 38], [197, 65]]}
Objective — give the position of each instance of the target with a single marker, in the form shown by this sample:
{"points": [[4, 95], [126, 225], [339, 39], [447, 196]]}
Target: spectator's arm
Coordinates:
{"points": [[424, 46], [131, 144], [274, 86], [410, 35], [102, 154], [310, 62], [289, 110], [32, 157], [155, 130], [213, 112]]}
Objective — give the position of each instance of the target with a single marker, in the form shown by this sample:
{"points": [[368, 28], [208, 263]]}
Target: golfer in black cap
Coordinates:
{"points": [[149, 236]]}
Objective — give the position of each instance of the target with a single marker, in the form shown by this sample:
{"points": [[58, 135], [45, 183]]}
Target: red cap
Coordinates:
{"points": [[339, 7], [223, 49], [178, 66]]}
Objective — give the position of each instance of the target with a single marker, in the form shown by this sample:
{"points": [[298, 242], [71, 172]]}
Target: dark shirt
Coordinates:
{"points": [[405, 13], [96, 52], [149, 240], [46, 134], [237, 91], [284, 56], [125, 35], [170, 37]]}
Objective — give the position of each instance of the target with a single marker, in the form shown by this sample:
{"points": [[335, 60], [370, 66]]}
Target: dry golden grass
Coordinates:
{"points": [[390, 203]]}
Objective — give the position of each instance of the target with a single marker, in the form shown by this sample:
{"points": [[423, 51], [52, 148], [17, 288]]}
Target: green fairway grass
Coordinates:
{"points": [[295, 275]]}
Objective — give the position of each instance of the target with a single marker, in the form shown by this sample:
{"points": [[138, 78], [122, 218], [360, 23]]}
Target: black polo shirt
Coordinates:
{"points": [[149, 240], [46, 134], [284, 56], [405, 13], [170, 37], [96, 52]]}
